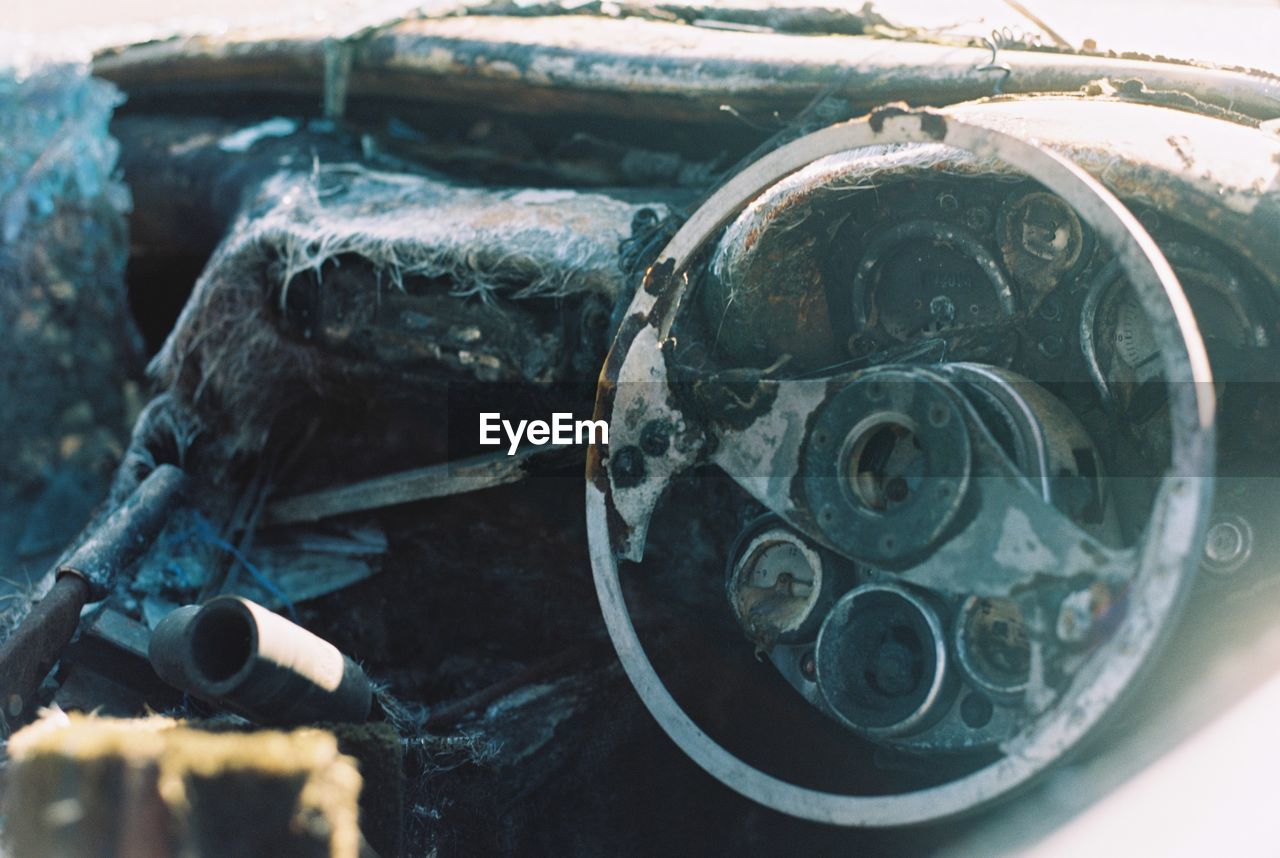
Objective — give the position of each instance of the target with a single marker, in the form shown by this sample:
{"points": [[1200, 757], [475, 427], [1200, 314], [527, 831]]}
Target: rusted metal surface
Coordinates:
{"points": [[34, 647], [766, 269], [330, 325], [1226, 182], [636, 68]]}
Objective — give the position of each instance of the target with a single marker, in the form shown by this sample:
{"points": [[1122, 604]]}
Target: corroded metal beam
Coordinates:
{"points": [[635, 68]]}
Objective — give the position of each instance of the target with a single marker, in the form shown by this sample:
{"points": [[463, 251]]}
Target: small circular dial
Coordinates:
{"points": [[925, 277], [774, 585], [929, 288], [993, 645]]}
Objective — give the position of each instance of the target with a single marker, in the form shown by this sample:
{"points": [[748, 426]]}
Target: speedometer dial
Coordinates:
{"points": [[927, 277]]}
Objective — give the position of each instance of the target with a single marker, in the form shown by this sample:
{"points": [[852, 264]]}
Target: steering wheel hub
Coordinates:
{"points": [[886, 465]]}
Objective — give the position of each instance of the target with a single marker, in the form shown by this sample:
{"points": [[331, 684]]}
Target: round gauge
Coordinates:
{"points": [[774, 586], [881, 661], [927, 277], [1118, 342], [992, 645]]}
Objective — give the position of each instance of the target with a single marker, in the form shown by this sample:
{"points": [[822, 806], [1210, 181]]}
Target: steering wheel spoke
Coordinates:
{"points": [[763, 456], [1017, 542], [650, 444]]}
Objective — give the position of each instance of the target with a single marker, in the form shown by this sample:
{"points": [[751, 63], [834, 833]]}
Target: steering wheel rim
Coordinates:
{"points": [[1166, 555]]}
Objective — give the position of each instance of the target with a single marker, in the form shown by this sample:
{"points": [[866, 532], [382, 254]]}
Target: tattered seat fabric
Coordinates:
{"points": [[345, 273]]}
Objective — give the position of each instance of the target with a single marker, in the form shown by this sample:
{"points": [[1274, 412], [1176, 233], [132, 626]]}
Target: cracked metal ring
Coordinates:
{"points": [[635, 387]]}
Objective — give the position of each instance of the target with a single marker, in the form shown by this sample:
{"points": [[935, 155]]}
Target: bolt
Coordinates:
{"points": [[1050, 309], [627, 467], [655, 437], [1051, 346], [948, 202], [1077, 615], [942, 309], [1228, 545], [977, 218], [809, 666]]}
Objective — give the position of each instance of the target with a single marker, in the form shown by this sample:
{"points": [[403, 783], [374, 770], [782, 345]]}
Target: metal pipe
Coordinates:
{"points": [[239, 655], [635, 71], [126, 534], [87, 574], [35, 645]]}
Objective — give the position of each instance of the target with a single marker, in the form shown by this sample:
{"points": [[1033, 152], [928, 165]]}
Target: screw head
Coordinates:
{"points": [[627, 467], [809, 666], [1079, 612], [1051, 309], [1228, 545], [655, 437], [977, 218], [1051, 346]]}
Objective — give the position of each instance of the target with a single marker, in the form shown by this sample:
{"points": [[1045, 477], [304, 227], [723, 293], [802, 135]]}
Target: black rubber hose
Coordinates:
{"points": [[237, 654]]}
